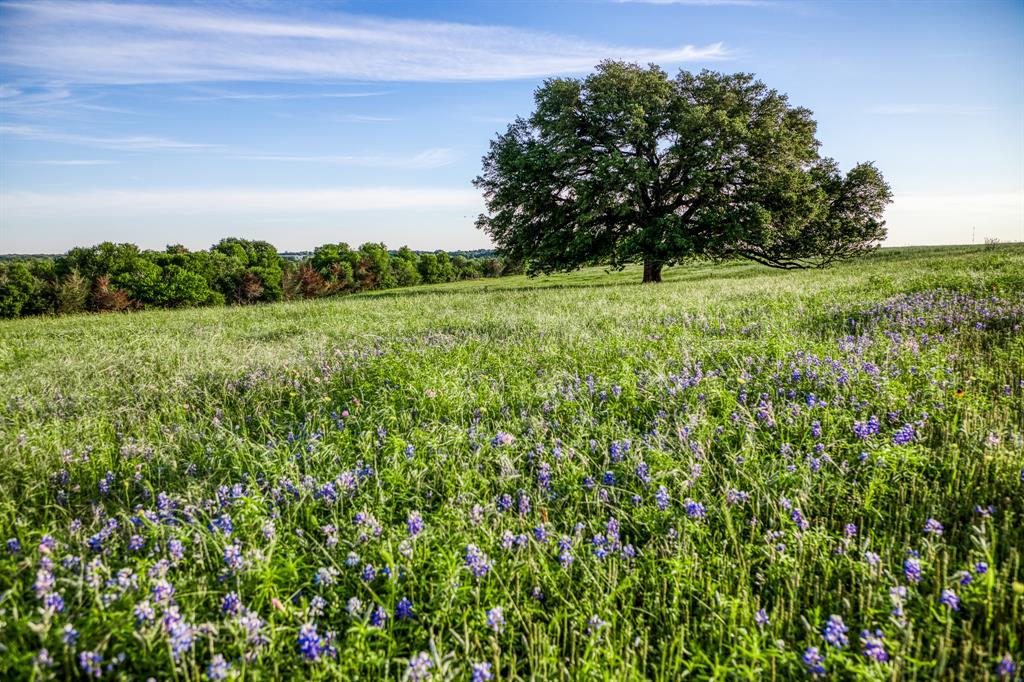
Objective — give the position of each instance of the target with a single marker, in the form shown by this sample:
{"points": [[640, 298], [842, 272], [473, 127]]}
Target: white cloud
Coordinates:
{"points": [[127, 143], [114, 43], [25, 209], [430, 158]]}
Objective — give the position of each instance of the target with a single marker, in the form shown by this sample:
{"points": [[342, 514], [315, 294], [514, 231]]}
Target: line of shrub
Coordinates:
{"points": [[121, 277]]}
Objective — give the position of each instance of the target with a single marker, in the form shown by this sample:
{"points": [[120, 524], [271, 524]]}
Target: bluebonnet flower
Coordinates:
{"points": [[44, 659], [481, 672], [105, 483], [850, 530], [53, 602], [218, 668], [733, 496], [618, 450], [504, 503], [403, 611], [814, 662], [233, 557], [144, 612], [419, 667], [595, 625], [932, 527], [912, 570], [1005, 668], [981, 568], [354, 606], [661, 498], [496, 619], [414, 523], [642, 473], [865, 430], [69, 635], [798, 518], [369, 573], [136, 543], [316, 606], [13, 546], [91, 663], [162, 591], [949, 598], [45, 582], [761, 618], [544, 476], [695, 510], [311, 644], [608, 478], [410, 451], [816, 429], [835, 632], [904, 435], [476, 561], [180, 632], [541, 534], [873, 646], [378, 616], [524, 503]]}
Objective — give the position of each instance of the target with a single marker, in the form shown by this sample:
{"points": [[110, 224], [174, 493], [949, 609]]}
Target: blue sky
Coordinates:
{"points": [[355, 121]]}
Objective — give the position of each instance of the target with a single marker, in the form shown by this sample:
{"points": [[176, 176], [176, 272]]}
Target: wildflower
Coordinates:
{"points": [[695, 510], [44, 659], [904, 435], [144, 612], [835, 632], [873, 647], [1005, 667], [311, 645], [162, 591], [949, 598], [414, 523], [369, 573], [378, 617], [496, 619], [354, 606], [981, 568], [233, 557], [481, 672], [476, 561], [661, 498], [850, 530], [403, 611], [502, 438], [13, 546], [761, 618], [814, 662], [218, 668], [419, 667], [933, 527], [912, 570], [91, 663], [53, 602], [595, 625], [69, 636]]}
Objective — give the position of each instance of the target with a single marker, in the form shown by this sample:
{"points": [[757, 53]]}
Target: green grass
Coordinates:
{"points": [[184, 402]]}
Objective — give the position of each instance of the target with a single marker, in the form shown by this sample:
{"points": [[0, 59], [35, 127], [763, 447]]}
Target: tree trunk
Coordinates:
{"points": [[652, 271]]}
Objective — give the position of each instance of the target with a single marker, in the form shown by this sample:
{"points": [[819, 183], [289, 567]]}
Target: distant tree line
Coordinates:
{"points": [[122, 277]]}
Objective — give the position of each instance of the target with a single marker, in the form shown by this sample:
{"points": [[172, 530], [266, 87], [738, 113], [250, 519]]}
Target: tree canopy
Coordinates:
{"points": [[629, 165]]}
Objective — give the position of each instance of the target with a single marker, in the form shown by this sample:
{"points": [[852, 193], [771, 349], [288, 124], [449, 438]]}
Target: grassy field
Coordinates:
{"points": [[736, 474]]}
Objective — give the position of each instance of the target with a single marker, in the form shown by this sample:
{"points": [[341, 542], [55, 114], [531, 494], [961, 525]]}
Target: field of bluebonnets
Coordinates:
{"points": [[736, 474]]}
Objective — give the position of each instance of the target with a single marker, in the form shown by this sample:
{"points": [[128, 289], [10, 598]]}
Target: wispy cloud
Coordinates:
{"points": [[129, 143], [925, 109], [115, 43], [705, 3], [72, 162], [43, 206], [280, 96], [430, 158]]}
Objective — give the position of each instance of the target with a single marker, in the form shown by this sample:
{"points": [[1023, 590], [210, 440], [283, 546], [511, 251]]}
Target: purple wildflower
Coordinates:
{"points": [[496, 619], [814, 661], [835, 632], [873, 646], [481, 672], [949, 598]]}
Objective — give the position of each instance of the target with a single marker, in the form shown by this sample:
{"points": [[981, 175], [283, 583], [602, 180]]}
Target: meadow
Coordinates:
{"points": [[739, 473]]}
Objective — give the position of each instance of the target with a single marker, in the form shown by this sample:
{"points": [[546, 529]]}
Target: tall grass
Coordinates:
{"points": [[648, 481]]}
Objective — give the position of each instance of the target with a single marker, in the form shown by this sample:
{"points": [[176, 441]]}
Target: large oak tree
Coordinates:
{"points": [[629, 165]]}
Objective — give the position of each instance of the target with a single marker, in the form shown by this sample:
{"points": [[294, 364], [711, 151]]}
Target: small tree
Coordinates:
{"points": [[629, 165]]}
